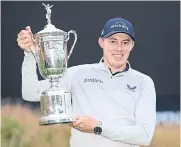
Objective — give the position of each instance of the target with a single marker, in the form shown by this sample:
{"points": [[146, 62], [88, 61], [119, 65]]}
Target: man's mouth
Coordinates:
{"points": [[118, 55]]}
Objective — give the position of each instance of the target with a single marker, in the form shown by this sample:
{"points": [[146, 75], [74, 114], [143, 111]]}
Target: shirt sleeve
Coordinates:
{"points": [[141, 132], [32, 87]]}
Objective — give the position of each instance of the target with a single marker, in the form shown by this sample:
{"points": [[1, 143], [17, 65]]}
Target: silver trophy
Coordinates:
{"points": [[50, 52]]}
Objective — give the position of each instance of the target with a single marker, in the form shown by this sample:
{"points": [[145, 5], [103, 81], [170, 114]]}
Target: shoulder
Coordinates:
{"points": [[145, 79], [75, 69], [82, 66]]}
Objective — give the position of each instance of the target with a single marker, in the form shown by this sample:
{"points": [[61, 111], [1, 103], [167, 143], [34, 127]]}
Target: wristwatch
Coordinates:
{"points": [[98, 128]]}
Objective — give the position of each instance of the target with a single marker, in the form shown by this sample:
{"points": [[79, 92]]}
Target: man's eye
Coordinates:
{"points": [[113, 41], [125, 42]]}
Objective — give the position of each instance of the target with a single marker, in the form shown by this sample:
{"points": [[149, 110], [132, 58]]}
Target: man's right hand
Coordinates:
{"points": [[25, 39]]}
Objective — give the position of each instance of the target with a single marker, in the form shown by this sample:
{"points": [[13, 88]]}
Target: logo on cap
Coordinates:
{"points": [[119, 24]]}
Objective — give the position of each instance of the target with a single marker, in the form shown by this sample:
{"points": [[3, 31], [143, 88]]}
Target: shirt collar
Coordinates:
{"points": [[106, 69]]}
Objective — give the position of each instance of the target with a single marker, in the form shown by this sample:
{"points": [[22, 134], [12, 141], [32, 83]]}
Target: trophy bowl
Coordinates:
{"points": [[50, 53]]}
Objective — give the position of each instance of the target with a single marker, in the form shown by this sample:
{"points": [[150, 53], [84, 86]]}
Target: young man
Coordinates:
{"points": [[114, 105]]}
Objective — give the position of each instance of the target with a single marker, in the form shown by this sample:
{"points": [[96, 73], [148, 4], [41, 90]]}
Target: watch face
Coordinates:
{"points": [[98, 130]]}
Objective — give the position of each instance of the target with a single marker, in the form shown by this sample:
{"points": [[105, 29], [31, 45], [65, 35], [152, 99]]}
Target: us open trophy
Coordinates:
{"points": [[51, 56]]}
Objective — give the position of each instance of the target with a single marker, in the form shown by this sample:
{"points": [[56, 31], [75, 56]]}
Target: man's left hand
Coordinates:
{"points": [[84, 124]]}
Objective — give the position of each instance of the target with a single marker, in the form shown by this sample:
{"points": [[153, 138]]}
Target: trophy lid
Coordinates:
{"points": [[49, 27]]}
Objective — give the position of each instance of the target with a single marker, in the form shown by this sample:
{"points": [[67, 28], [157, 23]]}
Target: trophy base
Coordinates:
{"points": [[51, 121]]}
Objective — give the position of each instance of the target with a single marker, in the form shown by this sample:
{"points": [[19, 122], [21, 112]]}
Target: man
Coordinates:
{"points": [[114, 105]]}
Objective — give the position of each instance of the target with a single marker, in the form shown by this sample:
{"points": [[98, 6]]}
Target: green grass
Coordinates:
{"points": [[19, 128]]}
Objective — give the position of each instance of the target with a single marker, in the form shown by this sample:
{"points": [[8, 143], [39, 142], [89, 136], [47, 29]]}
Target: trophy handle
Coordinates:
{"points": [[36, 52], [75, 40]]}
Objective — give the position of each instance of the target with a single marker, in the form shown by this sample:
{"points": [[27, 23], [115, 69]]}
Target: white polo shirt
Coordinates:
{"points": [[125, 102]]}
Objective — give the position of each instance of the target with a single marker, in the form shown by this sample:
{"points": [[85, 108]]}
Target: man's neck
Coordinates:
{"points": [[114, 70]]}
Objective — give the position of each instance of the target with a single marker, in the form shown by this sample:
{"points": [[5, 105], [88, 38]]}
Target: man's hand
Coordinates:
{"points": [[24, 39], [84, 124]]}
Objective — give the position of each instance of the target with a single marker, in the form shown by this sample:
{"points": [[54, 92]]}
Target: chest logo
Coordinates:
{"points": [[92, 80], [131, 88]]}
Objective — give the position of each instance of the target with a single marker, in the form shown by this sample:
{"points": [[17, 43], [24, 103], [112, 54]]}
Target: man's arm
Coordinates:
{"points": [[142, 131], [31, 86]]}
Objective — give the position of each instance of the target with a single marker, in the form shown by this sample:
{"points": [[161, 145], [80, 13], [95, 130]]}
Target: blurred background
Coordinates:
{"points": [[156, 53]]}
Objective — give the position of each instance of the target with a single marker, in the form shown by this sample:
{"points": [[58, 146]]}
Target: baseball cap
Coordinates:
{"points": [[117, 25]]}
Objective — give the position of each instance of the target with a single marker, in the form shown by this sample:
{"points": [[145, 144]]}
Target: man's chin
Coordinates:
{"points": [[119, 65]]}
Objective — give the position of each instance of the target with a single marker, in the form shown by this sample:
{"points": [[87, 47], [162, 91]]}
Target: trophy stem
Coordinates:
{"points": [[54, 82]]}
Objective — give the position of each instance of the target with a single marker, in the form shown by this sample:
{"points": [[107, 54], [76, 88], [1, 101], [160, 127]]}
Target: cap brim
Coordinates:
{"points": [[114, 32]]}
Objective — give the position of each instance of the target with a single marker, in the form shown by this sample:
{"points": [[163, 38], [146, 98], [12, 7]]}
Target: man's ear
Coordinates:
{"points": [[100, 41]]}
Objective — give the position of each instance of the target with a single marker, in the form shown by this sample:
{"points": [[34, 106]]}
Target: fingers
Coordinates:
{"points": [[24, 42], [28, 29], [23, 32], [70, 125], [77, 123], [24, 39], [78, 126]]}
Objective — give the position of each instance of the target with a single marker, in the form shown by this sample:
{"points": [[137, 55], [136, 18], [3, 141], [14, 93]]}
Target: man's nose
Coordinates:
{"points": [[120, 48]]}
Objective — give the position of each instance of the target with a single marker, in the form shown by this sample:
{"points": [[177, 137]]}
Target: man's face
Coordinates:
{"points": [[116, 49]]}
